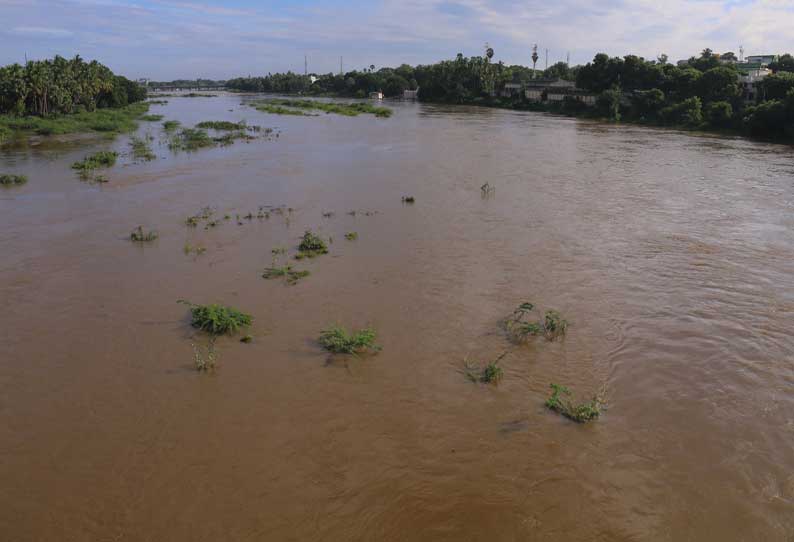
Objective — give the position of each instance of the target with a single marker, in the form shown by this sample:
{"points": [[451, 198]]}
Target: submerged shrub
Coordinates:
{"points": [[96, 160], [490, 373], [9, 180], [217, 319], [519, 326], [339, 341], [141, 149], [222, 125], [291, 275], [171, 125], [311, 245], [190, 139], [204, 361], [351, 236], [580, 413], [140, 236]]}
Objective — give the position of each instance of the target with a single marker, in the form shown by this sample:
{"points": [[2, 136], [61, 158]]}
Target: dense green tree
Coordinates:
{"points": [[776, 86], [559, 70], [687, 113], [719, 84], [783, 64], [60, 86], [608, 103], [647, 103], [719, 114]]}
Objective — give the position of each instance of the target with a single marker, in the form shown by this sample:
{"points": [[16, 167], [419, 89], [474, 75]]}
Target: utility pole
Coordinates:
{"points": [[568, 58], [341, 67], [305, 65], [547, 59]]}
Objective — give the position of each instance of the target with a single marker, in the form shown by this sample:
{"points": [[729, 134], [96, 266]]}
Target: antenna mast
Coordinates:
{"points": [[534, 58]]}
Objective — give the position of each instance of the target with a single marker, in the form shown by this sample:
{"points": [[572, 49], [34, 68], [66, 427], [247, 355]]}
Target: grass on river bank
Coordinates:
{"points": [[108, 121], [283, 106]]}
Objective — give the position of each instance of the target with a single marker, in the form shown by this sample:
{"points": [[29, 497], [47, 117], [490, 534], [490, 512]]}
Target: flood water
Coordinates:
{"points": [[670, 254]]}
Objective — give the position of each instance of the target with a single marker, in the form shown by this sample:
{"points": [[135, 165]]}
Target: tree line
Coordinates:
{"points": [[705, 92], [63, 86]]}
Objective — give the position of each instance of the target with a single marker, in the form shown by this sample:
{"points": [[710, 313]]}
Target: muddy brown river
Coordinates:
{"points": [[670, 254]]}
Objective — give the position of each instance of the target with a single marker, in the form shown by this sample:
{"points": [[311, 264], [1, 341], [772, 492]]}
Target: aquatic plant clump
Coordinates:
{"points": [[580, 413], [140, 236], [190, 139], [311, 245], [171, 125], [12, 180], [490, 373], [217, 319], [105, 120], [222, 125], [338, 340], [520, 326], [291, 275], [294, 107], [141, 149], [96, 160], [152, 118], [204, 361], [351, 236]]}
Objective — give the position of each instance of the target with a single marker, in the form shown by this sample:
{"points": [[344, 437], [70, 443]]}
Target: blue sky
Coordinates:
{"points": [[166, 39]]}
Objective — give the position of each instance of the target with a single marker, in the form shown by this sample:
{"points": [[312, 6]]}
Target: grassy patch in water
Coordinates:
{"points": [[190, 139], [560, 402], [338, 340], [171, 125], [141, 149], [102, 120], [277, 105], [280, 110], [231, 137], [520, 325], [12, 180], [198, 250], [217, 319], [139, 236], [311, 245], [222, 125], [351, 235], [96, 160], [152, 118], [204, 360], [489, 373], [292, 276]]}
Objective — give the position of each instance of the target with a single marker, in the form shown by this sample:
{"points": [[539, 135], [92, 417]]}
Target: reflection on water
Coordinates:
{"points": [[670, 254]]}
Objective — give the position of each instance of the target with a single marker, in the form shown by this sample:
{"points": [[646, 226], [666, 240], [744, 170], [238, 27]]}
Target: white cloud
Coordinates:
{"points": [[42, 31]]}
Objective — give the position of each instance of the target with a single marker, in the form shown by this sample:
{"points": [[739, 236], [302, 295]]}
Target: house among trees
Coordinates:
{"points": [[556, 90]]}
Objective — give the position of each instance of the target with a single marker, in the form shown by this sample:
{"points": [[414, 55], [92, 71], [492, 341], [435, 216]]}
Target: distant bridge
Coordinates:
{"points": [[169, 88]]}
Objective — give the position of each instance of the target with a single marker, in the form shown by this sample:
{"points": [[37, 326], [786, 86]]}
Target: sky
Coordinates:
{"points": [[171, 39]]}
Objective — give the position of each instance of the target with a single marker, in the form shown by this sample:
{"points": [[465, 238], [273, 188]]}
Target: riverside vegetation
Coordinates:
{"points": [[61, 96], [704, 93], [281, 106]]}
